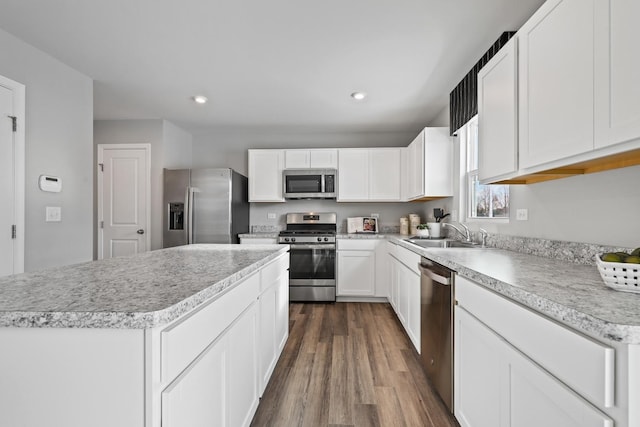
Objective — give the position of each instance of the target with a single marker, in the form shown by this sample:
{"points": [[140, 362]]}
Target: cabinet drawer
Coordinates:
{"points": [[272, 272], [584, 364], [357, 244], [184, 340], [408, 258]]}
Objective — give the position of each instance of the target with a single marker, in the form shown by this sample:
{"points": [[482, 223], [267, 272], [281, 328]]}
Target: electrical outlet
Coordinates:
{"points": [[522, 214], [53, 214], [454, 215], [271, 215], [375, 215]]}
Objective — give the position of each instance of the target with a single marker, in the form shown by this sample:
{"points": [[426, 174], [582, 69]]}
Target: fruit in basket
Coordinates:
{"points": [[633, 259], [611, 257]]}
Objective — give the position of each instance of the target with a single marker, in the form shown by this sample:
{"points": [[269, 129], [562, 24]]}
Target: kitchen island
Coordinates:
{"points": [[144, 340]]}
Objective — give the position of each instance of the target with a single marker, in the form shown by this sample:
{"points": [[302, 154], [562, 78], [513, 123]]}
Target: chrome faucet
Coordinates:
{"points": [[484, 237], [466, 233]]}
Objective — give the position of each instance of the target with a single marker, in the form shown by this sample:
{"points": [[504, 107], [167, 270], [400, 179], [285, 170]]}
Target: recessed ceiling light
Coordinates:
{"points": [[200, 99], [358, 96]]}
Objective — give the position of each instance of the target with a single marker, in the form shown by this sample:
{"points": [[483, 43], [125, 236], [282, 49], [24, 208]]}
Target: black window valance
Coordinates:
{"points": [[463, 100]]}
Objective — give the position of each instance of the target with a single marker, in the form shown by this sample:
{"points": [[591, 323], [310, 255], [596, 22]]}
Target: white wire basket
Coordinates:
{"points": [[620, 276]]}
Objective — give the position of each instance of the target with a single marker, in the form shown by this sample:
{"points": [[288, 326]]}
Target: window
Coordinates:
{"points": [[482, 201]]}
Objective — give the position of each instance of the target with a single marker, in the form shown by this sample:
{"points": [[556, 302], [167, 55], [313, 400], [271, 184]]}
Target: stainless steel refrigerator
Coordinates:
{"points": [[204, 206]]}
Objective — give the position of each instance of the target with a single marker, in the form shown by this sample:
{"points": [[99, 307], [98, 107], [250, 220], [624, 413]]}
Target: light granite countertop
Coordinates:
{"points": [[142, 291], [571, 293]]}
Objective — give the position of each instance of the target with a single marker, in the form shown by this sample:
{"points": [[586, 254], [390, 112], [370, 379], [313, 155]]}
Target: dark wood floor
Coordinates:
{"points": [[349, 364]]}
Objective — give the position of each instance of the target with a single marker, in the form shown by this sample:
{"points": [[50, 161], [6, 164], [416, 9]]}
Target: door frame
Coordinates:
{"points": [[100, 213], [19, 108]]}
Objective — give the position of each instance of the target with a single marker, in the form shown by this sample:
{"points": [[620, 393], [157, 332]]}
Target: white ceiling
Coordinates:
{"points": [[268, 64]]}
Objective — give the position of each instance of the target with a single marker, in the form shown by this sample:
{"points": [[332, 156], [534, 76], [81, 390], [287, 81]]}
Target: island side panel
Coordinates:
{"points": [[72, 377]]}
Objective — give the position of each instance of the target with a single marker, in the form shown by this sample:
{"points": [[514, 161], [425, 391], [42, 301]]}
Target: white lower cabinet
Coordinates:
{"points": [[361, 268], [273, 321], [497, 383], [220, 387], [214, 364], [404, 292]]}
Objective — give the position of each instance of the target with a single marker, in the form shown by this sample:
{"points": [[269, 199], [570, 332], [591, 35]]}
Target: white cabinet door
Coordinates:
{"points": [[477, 372], [220, 388], [323, 159], [197, 397], [241, 364], [556, 82], [353, 174], [497, 115], [498, 385], [296, 159], [429, 165], [617, 67], [409, 303], [414, 168], [356, 273], [265, 175], [533, 398], [273, 326], [282, 312], [384, 174], [316, 159], [267, 353]]}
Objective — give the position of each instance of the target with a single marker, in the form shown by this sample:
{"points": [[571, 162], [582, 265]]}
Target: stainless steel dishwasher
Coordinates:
{"points": [[436, 327]]}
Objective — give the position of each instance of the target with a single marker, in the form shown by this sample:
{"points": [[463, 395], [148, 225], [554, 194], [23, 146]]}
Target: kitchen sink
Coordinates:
{"points": [[441, 243]]}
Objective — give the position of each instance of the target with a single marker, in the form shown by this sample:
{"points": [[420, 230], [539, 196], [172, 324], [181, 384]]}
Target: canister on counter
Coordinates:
{"points": [[404, 225], [414, 221]]}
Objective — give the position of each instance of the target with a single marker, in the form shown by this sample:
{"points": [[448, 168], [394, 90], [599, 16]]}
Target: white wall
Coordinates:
{"points": [[177, 145], [59, 133], [599, 208], [229, 148], [170, 148]]}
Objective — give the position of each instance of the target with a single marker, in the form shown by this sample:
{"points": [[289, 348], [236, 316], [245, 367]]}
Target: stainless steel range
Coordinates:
{"points": [[312, 266]]}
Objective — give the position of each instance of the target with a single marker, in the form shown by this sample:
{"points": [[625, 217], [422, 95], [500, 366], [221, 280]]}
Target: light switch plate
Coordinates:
{"points": [[522, 214], [53, 214], [271, 215]]}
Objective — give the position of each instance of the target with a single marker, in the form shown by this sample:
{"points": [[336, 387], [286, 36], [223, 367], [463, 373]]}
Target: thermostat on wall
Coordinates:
{"points": [[50, 183]]}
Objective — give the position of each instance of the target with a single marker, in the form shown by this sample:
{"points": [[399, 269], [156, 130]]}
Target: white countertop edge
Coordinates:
{"points": [[135, 320], [584, 322]]}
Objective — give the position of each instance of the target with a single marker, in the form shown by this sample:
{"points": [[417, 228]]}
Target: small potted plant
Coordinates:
{"points": [[422, 230]]}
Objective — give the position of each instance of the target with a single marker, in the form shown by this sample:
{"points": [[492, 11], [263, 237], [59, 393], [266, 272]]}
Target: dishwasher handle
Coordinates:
{"points": [[446, 281]]}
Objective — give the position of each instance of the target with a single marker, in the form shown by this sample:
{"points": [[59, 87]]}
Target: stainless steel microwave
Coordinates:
{"points": [[310, 183]]}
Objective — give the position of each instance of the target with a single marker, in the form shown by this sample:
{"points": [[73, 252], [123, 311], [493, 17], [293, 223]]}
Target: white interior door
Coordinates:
{"points": [[11, 177], [123, 199]]}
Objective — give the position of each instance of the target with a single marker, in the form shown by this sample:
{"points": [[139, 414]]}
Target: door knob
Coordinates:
{"points": [[141, 231]]}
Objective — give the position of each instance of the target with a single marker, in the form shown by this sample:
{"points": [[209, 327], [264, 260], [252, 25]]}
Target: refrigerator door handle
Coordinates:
{"points": [[189, 217]]}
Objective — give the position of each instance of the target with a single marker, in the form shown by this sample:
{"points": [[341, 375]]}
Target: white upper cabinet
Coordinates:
{"points": [[369, 174], [556, 75], [497, 115], [265, 175], [315, 159], [429, 165], [353, 175], [617, 71]]}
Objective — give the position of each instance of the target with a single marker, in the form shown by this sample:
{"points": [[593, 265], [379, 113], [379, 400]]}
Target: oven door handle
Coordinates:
{"points": [[302, 246]]}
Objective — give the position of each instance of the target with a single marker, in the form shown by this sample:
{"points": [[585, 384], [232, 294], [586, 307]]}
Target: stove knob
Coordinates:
{"points": [[320, 239], [293, 239], [286, 239], [326, 239]]}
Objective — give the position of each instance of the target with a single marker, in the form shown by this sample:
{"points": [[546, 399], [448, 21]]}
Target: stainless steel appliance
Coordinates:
{"points": [[204, 206], [436, 327], [310, 183], [312, 258]]}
